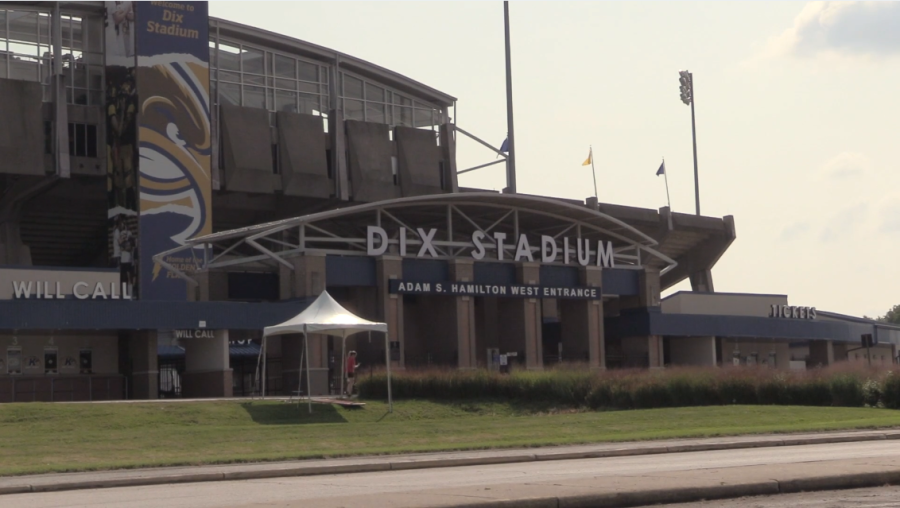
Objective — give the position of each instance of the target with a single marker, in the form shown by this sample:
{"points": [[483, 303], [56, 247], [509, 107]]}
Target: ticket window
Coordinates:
{"points": [[51, 355], [14, 360], [86, 361]]}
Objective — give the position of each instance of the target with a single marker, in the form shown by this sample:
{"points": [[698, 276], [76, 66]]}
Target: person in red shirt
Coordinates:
{"points": [[351, 371]]}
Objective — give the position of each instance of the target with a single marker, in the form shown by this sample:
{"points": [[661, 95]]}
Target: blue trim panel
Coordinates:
{"points": [[350, 271], [687, 325], [560, 276], [619, 281], [39, 268], [144, 314], [425, 270], [502, 274]]}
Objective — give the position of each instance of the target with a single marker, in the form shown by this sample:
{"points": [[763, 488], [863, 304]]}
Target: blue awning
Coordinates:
{"points": [[234, 350]]}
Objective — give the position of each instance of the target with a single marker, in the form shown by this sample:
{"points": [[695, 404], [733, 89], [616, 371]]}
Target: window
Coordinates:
{"points": [[26, 53], [255, 77], [362, 100], [82, 140]]}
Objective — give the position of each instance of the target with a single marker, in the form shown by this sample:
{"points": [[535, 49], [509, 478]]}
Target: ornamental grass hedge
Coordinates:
{"points": [[575, 386]]}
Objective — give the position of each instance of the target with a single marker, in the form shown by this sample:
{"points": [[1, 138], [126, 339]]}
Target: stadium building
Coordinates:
{"points": [[171, 183]]}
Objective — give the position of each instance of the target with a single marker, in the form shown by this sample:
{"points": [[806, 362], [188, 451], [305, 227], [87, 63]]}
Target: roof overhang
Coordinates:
{"points": [[452, 220]]}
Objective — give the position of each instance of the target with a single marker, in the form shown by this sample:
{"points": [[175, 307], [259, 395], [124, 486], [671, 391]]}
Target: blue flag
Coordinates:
{"points": [[662, 169], [504, 147]]}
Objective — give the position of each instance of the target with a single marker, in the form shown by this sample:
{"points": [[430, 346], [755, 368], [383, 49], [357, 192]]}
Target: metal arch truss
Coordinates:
{"points": [[456, 217]]}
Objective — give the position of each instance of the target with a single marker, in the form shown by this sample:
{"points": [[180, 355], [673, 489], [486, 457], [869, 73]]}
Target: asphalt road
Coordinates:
{"points": [[884, 497], [461, 485]]}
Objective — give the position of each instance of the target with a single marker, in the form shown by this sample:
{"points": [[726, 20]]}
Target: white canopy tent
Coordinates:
{"points": [[326, 316]]}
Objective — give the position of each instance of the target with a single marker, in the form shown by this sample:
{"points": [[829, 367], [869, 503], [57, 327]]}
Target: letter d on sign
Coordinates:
{"points": [[371, 232], [549, 249]]}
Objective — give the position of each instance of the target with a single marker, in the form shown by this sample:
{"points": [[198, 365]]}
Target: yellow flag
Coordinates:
{"points": [[587, 162]]}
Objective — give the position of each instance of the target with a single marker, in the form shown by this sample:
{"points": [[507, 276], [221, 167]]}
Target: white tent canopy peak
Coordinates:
{"points": [[325, 316]]}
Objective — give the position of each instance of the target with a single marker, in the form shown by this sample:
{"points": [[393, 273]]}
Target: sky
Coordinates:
{"points": [[797, 114]]}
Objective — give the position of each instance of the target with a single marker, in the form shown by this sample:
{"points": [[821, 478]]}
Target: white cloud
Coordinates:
{"points": [[847, 223], [866, 29], [889, 214], [846, 166], [795, 231]]}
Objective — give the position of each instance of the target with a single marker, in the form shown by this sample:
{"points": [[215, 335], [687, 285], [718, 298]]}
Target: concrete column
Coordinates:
{"points": [[530, 273], [582, 324], [211, 287], [306, 280], [655, 356], [207, 368], [702, 281], [339, 153], [650, 345], [463, 270], [390, 306], [144, 365], [700, 351], [821, 352], [448, 153]]}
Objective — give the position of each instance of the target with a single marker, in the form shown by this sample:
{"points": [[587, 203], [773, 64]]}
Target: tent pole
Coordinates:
{"points": [[265, 373], [387, 361], [343, 361], [308, 389], [300, 373]]}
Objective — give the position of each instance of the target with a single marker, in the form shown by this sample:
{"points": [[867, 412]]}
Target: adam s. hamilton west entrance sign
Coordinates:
{"points": [[501, 290]]}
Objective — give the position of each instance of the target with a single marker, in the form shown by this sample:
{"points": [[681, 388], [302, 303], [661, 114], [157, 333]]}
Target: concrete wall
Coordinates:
{"points": [[418, 160], [881, 355], [66, 279], [370, 166], [698, 351], [302, 155], [22, 129], [104, 352], [721, 304], [761, 348], [247, 149], [430, 329], [486, 328]]}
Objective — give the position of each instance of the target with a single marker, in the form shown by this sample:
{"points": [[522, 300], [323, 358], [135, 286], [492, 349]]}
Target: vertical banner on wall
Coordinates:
{"points": [[121, 110], [175, 142]]}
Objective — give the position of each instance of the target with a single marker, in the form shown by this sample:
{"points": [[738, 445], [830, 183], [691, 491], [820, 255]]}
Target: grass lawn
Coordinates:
{"points": [[38, 438]]}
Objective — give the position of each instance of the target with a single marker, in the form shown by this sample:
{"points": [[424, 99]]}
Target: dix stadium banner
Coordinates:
{"points": [[175, 143]]}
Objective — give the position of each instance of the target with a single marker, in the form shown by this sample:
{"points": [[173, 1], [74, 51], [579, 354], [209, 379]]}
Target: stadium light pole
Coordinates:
{"points": [[511, 135], [687, 96]]}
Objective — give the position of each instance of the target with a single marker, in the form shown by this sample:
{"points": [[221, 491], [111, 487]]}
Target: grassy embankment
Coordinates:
{"points": [[36, 438]]}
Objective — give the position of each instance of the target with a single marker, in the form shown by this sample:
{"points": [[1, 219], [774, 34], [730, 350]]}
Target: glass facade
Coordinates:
{"points": [[372, 102], [248, 76], [26, 53]]}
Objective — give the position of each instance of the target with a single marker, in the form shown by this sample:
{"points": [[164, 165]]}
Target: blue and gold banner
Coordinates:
{"points": [[174, 138]]}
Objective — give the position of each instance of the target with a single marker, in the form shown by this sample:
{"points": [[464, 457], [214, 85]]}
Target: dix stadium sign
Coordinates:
{"points": [[377, 243]]}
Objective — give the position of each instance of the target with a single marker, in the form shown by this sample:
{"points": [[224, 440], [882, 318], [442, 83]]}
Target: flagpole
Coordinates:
{"points": [[511, 134], [666, 176], [591, 155]]}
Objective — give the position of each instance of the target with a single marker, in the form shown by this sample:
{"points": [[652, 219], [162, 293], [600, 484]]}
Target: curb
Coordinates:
{"points": [[825, 483], [695, 494]]}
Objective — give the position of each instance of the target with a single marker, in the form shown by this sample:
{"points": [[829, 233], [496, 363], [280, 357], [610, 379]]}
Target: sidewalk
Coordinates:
{"points": [[171, 475]]}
